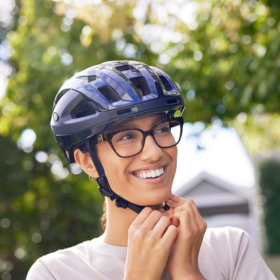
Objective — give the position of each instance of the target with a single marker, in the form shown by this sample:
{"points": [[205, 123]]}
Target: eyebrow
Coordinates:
{"points": [[132, 126]]}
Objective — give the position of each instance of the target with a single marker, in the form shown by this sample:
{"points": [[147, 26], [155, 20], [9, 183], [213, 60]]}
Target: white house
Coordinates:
{"points": [[222, 203], [219, 178]]}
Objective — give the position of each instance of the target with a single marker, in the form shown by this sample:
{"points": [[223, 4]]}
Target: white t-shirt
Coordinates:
{"points": [[226, 254]]}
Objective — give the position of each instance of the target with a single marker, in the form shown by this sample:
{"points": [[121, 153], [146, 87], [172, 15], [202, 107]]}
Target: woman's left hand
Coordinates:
{"points": [[183, 258]]}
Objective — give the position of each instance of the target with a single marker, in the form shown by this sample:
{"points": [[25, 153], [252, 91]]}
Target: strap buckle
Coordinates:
{"points": [[121, 203]]}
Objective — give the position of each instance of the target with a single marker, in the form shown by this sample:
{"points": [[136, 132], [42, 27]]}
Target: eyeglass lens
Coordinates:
{"points": [[129, 142]]}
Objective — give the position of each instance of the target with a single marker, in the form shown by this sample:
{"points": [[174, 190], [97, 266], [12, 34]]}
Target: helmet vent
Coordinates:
{"points": [[141, 84], [59, 96], [172, 101], [109, 93], [125, 67], [83, 109], [88, 79], [159, 89], [167, 85]]}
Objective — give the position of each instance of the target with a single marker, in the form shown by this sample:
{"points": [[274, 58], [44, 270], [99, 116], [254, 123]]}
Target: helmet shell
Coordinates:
{"points": [[106, 95]]}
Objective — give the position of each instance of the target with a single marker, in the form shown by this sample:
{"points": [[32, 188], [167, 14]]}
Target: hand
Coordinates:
{"points": [[183, 259], [150, 238]]}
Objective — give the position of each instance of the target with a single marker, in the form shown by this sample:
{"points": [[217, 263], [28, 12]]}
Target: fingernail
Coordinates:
{"points": [[169, 201]]}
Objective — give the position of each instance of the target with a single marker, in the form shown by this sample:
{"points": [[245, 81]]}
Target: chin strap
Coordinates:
{"points": [[106, 190]]}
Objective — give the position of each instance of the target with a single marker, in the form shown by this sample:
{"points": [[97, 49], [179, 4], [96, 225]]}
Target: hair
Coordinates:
{"points": [[83, 148], [103, 218]]}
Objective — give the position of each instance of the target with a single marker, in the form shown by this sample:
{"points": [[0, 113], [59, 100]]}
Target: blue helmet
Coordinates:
{"points": [[103, 96]]}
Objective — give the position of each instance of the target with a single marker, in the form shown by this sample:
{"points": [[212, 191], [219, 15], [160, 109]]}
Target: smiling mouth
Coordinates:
{"points": [[150, 174]]}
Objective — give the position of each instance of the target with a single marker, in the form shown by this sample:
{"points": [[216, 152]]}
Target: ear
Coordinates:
{"points": [[86, 163]]}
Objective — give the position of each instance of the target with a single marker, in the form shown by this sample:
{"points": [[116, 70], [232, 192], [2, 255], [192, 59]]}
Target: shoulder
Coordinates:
{"points": [[229, 241], [222, 247], [45, 267], [232, 253], [81, 250], [225, 234]]}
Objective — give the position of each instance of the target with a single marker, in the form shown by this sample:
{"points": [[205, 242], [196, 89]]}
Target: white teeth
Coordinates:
{"points": [[151, 174]]}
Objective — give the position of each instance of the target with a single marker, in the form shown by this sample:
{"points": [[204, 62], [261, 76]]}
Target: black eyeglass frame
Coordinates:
{"points": [[109, 135]]}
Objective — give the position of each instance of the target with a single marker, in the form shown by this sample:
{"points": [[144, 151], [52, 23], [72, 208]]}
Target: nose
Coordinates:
{"points": [[151, 151]]}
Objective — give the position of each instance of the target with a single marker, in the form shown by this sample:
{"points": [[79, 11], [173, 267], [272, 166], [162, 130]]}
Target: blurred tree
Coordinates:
{"points": [[260, 133], [223, 54], [270, 188]]}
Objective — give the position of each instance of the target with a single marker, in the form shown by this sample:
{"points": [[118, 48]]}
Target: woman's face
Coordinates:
{"points": [[122, 173]]}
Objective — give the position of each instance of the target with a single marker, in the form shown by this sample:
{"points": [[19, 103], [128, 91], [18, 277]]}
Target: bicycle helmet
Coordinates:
{"points": [[104, 96]]}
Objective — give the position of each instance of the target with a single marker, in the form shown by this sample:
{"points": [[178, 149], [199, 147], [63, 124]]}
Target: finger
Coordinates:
{"points": [[172, 204], [196, 212], [144, 214], [152, 220], [175, 221], [161, 226], [177, 212], [186, 222], [187, 207], [168, 213], [169, 236], [200, 221], [175, 198], [194, 221], [176, 201]]}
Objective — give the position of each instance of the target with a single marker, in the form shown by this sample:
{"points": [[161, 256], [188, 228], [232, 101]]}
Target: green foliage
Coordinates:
{"points": [[259, 133], [270, 187], [226, 63], [63, 212]]}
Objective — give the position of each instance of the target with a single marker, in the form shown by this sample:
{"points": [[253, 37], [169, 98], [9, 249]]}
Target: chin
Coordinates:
{"points": [[156, 198]]}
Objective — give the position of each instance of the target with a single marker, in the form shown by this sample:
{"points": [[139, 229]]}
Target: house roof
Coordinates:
{"points": [[209, 191]]}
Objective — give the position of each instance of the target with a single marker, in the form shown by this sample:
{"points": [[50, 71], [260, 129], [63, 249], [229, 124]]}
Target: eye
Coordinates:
{"points": [[162, 129], [126, 136]]}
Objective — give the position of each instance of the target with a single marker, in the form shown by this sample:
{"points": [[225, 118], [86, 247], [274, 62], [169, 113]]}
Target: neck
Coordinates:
{"points": [[118, 223]]}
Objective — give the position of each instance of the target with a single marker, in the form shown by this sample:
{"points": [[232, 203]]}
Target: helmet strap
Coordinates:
{"points": [[105, 188]]}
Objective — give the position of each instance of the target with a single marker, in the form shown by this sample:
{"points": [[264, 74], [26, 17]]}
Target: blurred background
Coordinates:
{"points": [[225, 57]]}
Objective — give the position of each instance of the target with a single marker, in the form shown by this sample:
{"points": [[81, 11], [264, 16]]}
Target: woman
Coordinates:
{"points": [[121, 122]]}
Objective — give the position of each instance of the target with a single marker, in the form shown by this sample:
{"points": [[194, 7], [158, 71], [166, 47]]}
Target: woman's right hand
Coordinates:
{"points": [[150, 238]]}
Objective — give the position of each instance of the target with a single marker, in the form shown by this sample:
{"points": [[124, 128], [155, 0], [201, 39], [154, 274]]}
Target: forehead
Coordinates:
{"points": [[139, 122]]}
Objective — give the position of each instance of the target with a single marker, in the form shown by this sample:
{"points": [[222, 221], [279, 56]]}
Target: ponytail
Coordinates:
{"points": [[103, 219]]}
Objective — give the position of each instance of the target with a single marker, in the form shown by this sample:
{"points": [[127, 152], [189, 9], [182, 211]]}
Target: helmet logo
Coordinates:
{"points": [[55, 117], [134, 109]]}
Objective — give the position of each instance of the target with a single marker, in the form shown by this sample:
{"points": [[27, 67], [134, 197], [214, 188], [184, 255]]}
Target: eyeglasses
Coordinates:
{"points": [[130, 142]]}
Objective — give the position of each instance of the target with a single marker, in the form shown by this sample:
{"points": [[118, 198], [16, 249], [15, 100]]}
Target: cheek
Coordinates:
{"points": [[114, 166], [172, 153]]}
